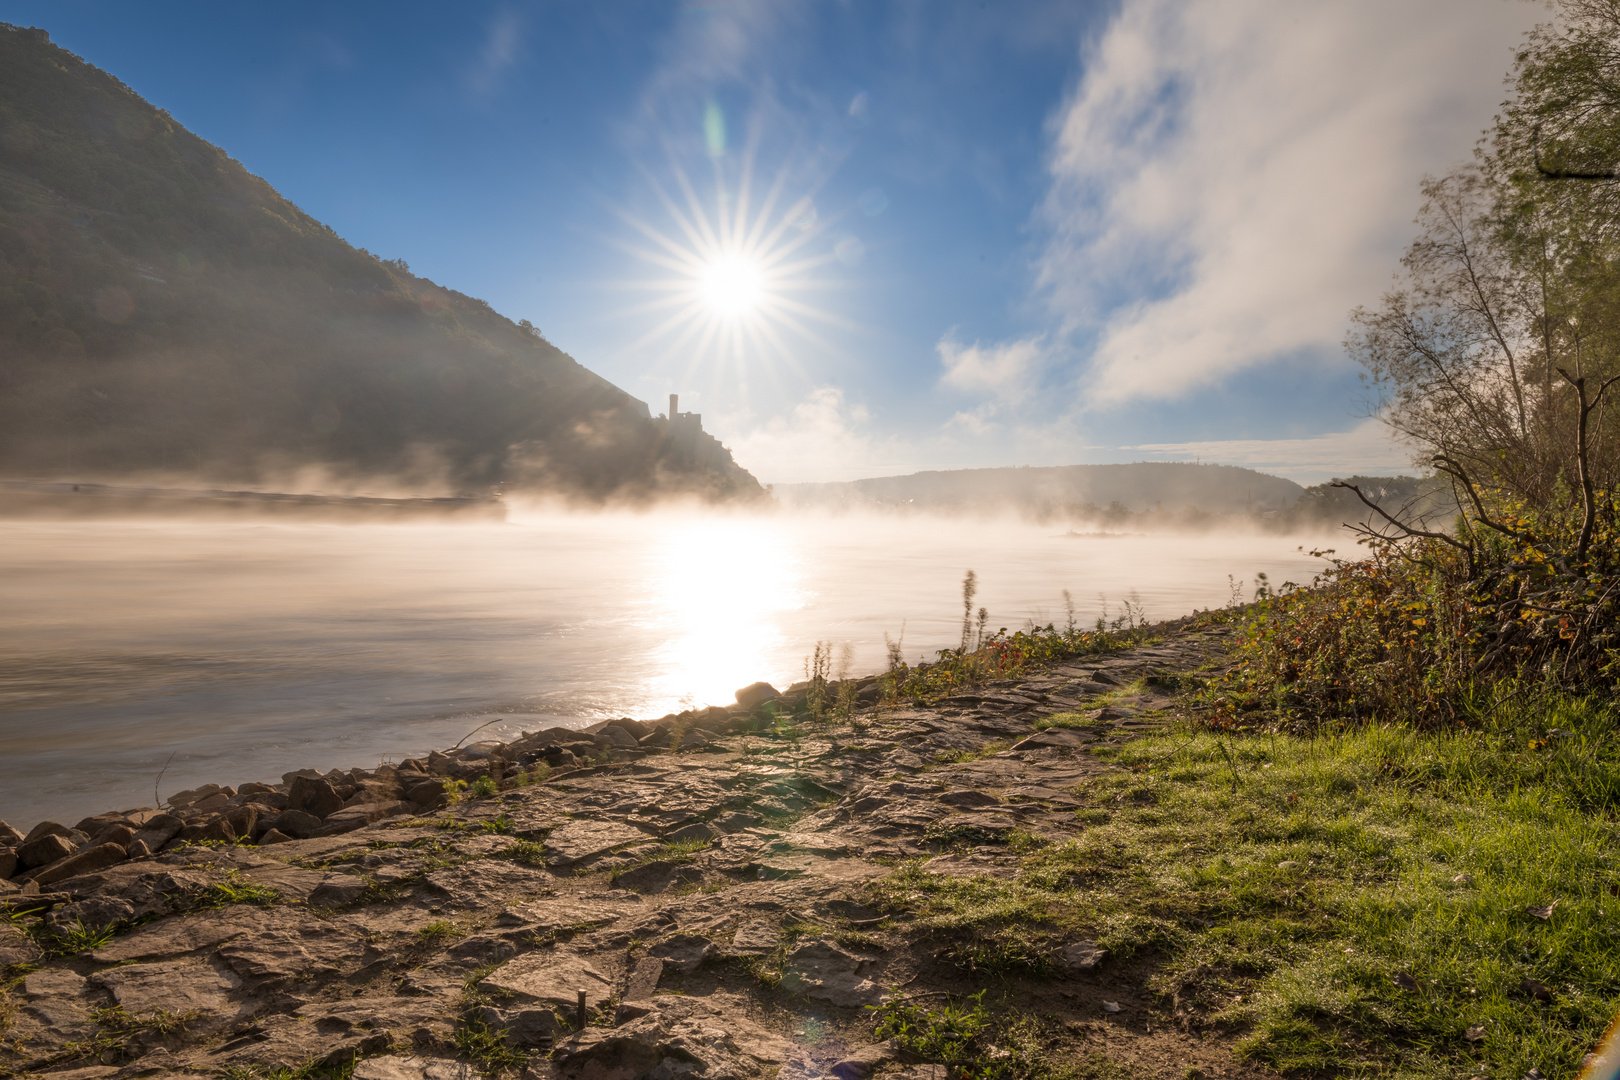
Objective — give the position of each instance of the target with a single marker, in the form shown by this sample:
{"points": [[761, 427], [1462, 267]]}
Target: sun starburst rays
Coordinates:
{"points": [[730, 280]]}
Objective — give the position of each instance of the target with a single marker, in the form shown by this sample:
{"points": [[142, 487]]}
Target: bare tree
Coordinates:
{"points": [[1453, 350]]}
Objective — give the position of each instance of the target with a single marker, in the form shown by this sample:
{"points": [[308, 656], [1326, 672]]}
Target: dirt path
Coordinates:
{"points": [[716, 904]]}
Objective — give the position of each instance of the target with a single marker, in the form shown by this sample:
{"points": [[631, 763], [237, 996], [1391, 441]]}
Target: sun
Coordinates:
{"points": [[732, 285], [734, 274]]}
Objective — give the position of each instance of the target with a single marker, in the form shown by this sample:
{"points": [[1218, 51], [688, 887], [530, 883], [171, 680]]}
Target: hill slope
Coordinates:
{"points": [[162, 310]]}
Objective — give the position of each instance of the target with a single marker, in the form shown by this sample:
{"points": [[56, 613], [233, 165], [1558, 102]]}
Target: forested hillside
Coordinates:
{"points": [[163, 311]]}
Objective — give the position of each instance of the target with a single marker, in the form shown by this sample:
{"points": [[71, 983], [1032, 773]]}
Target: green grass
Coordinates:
{"points": [[436, 931], [74, 939], [232, 889], [679, 852], [683, 851], [962, 757], [487, 1049], [1279, 885], [527, 852], [980, 1044], [115, 1029], [313, 1069]]}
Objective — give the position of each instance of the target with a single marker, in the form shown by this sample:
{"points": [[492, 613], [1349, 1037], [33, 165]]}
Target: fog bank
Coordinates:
{"points": [[246, 649]]}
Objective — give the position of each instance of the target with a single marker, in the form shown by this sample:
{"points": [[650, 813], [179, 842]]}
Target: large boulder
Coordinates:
{"points": [[46, 828], [158, 831], [44, 850], [756, 694], [241, 820], [298, 824], [214, 828], [115, 832], [616, 736], [268, 800], [8, 863], [355, 817], [9, 837], [313, 796], [425, 792], [86, 861]]}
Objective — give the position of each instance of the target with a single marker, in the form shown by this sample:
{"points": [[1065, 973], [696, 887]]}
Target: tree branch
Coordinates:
{"points": [[1583, 466], [1452, 468], [1562, 174], [1408, 529]]}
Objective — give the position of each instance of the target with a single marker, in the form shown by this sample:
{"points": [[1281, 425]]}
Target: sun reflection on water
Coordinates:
{"points": [[717, 589]]}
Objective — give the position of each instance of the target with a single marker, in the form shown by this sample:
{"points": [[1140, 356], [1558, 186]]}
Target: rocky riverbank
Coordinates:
{"points": [[717, 886]]}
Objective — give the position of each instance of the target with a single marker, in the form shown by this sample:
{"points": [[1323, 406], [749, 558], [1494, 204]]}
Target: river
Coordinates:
{"points": [[236, 651]]}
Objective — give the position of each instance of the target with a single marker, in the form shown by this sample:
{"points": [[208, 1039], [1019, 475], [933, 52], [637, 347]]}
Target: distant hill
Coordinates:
{"points": [[1068, 491], [1149, 494], [163, 311]]}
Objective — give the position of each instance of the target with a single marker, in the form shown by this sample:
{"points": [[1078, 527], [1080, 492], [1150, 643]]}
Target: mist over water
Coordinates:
{"points": [[245, 650]]}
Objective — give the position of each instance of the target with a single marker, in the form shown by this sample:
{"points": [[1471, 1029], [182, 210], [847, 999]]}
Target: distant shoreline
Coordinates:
{"points": [[53, 498]]}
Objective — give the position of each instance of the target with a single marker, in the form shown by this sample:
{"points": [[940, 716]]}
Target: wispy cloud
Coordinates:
{"points": [[502, 48], [1229, 179], [1007, 370]]}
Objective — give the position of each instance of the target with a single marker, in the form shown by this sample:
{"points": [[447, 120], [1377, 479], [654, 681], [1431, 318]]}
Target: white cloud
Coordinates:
{"points": [[1365, 449], [1229, 179], [1006, 370], [823, 439]]}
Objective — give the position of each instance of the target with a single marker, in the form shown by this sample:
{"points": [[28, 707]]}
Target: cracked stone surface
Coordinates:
{"points": [[361, 945], [175, 986]]}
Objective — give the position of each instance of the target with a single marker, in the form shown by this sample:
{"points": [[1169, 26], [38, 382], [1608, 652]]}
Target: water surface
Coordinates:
{"points": [[244, 650]]}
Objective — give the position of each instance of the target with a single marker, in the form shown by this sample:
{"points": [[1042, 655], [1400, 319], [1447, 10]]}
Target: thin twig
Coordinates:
{"points": [[476, 730], [1229, 764], [156, 798]]}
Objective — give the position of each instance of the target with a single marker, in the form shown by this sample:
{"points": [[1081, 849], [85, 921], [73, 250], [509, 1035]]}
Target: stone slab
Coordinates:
{"points": [[561, 913], [293, 882], [173, 986], [181, 934], [555, 977], [393, 1067], [644, 979], [581, 840]]}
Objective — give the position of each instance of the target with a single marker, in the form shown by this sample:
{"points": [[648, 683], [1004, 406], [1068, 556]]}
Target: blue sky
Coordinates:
{"points": [[1005, 231]]}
